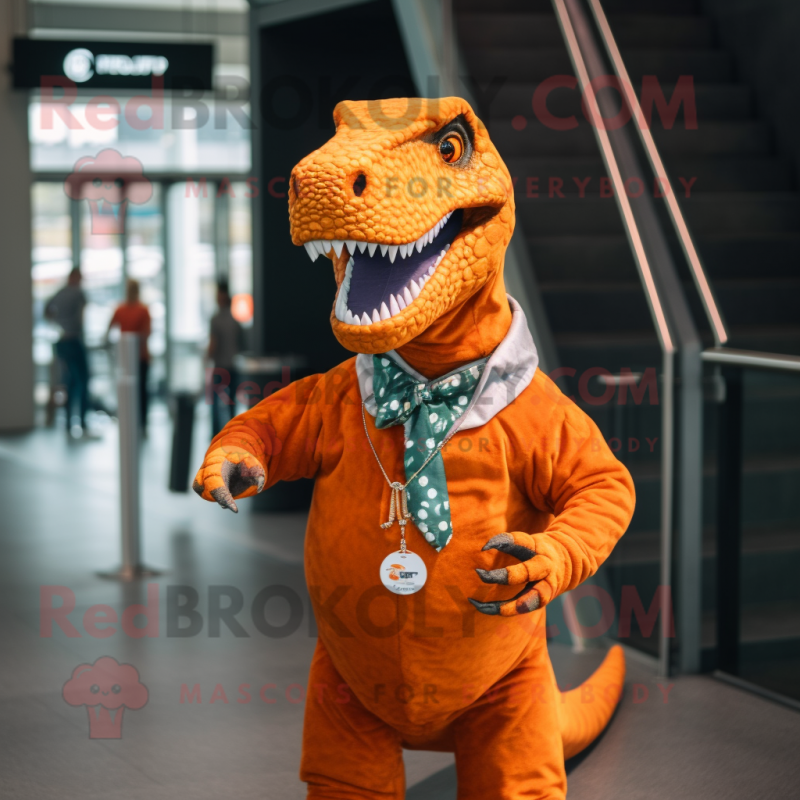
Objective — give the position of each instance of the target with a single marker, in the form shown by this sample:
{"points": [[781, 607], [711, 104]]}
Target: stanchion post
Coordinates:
{"points": [[128, 399], [129, 468]]}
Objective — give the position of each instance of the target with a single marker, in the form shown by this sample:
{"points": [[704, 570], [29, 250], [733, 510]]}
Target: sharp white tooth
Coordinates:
{"points": [[362, 246], [403, 250], [348, 317], [355, 320], [393, 248], [437, 228], [311, 250], [422, 281], [420, 244], [322, 246], [384, 311], [446, 247], [351, 246], [407, 296], [373, 246], [431, 270], [414, 289], [401, 301], [365, 320], [384, 249], [338, 245], [339, 311], [376, 317], [393, 307]]}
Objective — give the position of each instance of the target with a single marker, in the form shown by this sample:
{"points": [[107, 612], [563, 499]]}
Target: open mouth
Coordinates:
{"points": [[381, 280]]}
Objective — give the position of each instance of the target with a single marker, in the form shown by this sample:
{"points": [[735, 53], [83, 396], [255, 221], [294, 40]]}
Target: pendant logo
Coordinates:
{"points": [[398, 573], [403, 572]]}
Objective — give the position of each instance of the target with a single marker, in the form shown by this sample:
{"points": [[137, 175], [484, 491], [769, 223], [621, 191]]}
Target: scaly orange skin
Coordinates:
{"points": [[409, 189]]}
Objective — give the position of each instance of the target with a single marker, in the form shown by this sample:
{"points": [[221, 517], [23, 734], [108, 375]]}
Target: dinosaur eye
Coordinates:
{"points": [[451, 148]]}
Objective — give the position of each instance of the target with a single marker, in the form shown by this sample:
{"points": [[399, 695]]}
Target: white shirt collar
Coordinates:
{"points": [[508, 372]]}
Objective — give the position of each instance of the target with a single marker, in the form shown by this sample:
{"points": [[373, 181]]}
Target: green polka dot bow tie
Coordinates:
{"points": [[428, 411]]}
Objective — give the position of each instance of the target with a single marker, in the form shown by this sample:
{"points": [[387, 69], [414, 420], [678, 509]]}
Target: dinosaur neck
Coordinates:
{"points": [[467, 332]]}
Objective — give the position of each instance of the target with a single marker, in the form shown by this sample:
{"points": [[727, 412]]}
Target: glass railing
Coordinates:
{"points": [[752, 623]]}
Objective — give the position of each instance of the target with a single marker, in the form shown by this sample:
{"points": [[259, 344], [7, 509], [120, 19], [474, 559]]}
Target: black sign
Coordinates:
{"points": [[112, 65]]}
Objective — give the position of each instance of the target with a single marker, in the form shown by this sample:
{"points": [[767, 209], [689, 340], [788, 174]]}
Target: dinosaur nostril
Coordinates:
{"points": [[359, 184], [296, 186]]}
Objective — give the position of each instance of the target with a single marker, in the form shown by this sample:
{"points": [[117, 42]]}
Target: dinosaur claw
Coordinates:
{"points": [[523, 602], [499, 542], [492, 609], [504, 542], [224, 498], [493, 575]]}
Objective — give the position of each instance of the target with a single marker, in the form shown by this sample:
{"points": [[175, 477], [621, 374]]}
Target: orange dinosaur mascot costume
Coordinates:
{"points": [[414, 207]]}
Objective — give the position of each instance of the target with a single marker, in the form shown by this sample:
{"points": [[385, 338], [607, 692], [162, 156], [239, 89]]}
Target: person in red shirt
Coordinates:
{"points": [[132, 316]]}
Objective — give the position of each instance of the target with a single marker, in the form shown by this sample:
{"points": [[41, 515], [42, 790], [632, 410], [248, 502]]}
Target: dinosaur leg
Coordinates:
{"points": [[508, 743], [348, 753]]}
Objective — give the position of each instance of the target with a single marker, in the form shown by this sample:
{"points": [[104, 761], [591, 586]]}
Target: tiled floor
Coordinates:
{"points": [[59, 527]]}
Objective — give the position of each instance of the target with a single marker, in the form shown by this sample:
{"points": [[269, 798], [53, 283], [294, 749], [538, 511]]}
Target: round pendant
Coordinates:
{"points": [[403, 573]]}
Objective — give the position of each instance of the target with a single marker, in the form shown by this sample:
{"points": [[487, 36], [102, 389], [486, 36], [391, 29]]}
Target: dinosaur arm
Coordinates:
{"points": [[591, 495], [576, 476], [273, 441]]}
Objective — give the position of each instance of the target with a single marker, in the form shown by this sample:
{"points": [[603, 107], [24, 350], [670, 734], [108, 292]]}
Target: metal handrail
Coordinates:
{"points": [[751, 358], [712, 309], [610, 160], [665, 336], [681, 453]]}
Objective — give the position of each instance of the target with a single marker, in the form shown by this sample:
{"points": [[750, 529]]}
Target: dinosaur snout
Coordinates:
{"points": [[328, 185]]}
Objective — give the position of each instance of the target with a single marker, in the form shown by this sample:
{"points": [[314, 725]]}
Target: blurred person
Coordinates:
{"points": [[132, 316], [225, 342], [65, 308]]}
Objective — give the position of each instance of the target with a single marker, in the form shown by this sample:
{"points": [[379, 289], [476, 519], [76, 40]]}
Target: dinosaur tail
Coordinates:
{"points": [[586, 710]]}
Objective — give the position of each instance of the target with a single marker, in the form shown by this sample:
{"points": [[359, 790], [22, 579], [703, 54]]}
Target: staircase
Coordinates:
{"points": [[743, 209]]}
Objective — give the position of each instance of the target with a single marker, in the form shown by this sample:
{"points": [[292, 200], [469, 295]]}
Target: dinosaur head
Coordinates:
{"points": [[414, 207]]}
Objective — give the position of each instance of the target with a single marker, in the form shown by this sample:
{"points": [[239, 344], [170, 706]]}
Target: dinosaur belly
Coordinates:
{"points": [[416, 660]]}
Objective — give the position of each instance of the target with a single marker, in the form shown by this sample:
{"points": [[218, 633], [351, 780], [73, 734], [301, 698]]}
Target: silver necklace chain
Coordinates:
{"points": [[399, 502], [425, 463]]}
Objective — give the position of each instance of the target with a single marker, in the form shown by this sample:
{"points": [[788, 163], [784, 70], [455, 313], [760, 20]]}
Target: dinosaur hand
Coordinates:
{"points": [[536, 571], [229, 472]]}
